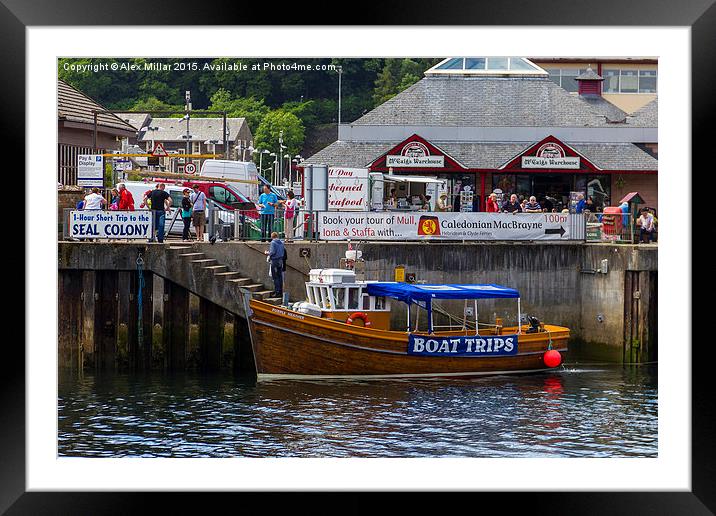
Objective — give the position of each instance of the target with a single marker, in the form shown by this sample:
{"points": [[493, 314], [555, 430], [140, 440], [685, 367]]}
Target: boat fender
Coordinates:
{"points": [[552, 358], [359, 315]]}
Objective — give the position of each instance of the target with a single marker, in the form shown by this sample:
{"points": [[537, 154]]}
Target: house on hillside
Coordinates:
{"points": [[76, 134]]}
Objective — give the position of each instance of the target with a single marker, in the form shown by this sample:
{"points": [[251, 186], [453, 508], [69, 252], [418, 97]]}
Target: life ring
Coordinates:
{"points": [[359, 315]]}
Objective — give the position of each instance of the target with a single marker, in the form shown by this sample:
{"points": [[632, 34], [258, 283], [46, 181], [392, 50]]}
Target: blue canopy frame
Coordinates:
{"points": [[422, 293]]}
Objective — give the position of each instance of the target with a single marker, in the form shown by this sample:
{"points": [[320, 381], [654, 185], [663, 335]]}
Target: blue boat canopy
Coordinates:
{"points": [[410, 292]]}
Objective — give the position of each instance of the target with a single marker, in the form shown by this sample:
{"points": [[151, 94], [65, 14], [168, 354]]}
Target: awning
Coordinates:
{"points": [[409, 292], [411, 179]]}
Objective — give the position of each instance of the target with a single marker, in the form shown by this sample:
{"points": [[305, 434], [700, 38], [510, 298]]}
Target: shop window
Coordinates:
{"points": [[504, 182], [599, 189], [611, 81], [629, 81], [647, 81], [523, 185]]}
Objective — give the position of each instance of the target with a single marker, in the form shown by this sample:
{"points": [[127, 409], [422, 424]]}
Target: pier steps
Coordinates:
{"points": [[215, 281]]}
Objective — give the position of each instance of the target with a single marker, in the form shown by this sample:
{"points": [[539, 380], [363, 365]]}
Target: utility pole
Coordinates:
{"points": [[340, 73], [187, 98], [280, 155]]}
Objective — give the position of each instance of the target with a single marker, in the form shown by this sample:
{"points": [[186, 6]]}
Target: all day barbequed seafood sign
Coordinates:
{"points": [[450, 226]]}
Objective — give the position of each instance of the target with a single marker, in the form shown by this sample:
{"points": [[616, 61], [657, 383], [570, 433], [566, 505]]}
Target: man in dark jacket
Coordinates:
{"points": [[276, 254]]}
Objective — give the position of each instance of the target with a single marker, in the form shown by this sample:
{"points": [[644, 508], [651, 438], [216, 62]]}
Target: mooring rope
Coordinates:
{"points": [[140, 288]]}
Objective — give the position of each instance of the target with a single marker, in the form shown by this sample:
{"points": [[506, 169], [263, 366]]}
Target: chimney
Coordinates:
{"points": [[590, 83]]}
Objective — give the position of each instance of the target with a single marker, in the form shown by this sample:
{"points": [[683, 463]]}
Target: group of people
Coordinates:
{"points": [[121, 200], [193, 209], [268, 204], [531, 205]]}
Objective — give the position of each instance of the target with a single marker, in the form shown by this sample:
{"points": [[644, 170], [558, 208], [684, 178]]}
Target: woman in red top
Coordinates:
{"points": [[126, 201], [492, 206]]}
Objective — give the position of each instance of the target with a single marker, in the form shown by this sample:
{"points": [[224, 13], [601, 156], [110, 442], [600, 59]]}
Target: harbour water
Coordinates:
{"points": [[594, 410]]}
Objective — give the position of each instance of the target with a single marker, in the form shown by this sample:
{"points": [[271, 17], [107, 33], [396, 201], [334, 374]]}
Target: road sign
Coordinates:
{"points": [[190, 168], [90, 170], [159, 150]]}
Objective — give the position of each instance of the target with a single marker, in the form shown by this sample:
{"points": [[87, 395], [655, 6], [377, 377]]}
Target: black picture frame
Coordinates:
{"points": [[16, 15]]}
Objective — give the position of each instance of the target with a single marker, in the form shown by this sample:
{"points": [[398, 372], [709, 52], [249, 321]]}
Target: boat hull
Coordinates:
{"points": [[289, 344]]}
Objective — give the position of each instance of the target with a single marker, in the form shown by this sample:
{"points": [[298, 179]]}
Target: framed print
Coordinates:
{"points": [[243, 290]]}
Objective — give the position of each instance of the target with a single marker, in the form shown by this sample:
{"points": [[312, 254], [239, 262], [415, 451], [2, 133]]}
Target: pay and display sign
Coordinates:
{"points": [[450, 226], [90, 170], [474, 346], [110, 224]]}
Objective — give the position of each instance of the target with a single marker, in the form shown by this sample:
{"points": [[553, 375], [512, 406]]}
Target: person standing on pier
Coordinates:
{"points": [[289, 214], [198, 206], [161, 202], [126, 200], [94, 200], [276, 254], [267, 203], [186, 209]]}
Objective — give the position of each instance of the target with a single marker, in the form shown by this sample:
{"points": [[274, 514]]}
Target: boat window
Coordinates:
{"points": [[324, 297], [353, 298], [339, 296], [379, 303], [309, 293], [366, 302]]}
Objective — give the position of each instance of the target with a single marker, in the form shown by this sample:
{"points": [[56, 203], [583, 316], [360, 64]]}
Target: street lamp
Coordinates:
{"points": [[274, 167], [261, 156], [288, 165]]}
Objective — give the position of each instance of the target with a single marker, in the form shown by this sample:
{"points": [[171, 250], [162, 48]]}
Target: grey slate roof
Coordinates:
{"points": [[485, 102], [589, 75], [607, 156], [646, 116], [201, 129], [75, 106], [602, 106]]}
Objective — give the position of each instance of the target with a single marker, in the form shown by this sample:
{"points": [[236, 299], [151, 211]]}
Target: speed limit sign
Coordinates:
{"points": [[190, 168]]}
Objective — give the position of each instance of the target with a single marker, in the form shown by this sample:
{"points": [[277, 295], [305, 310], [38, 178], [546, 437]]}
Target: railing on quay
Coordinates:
{"points": [[611, 227]]}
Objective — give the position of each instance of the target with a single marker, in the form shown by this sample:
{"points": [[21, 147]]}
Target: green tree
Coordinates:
{"points": [[267, 134], [249, 108], [151, 104]]}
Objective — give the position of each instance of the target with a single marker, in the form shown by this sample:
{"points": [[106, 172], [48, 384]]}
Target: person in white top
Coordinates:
{"points": [[94, 201], [646, 226], [290, 208]]}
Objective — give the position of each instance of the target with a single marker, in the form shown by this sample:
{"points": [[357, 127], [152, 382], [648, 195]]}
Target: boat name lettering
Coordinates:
{"points": [[462, 346], [289, 314]]}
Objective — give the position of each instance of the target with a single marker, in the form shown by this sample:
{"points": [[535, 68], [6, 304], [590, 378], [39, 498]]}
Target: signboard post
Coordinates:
{"points": [[90, 170]]}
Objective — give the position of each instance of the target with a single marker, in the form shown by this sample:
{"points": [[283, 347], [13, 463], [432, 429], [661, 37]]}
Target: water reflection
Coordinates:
{"points": [[597, 412]]}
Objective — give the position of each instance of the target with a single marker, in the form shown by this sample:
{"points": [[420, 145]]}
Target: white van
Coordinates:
{"points": [[227, 169]]}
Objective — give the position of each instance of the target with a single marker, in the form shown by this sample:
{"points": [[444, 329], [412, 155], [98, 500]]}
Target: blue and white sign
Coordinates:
{"points": [[465, 346], [110, 224], [90, 170]]}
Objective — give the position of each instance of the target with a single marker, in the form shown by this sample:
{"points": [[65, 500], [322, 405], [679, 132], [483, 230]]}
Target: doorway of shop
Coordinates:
{"points": [[552, 190]]}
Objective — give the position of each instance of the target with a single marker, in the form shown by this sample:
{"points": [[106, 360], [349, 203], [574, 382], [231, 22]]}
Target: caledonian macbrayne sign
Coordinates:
{"points": [[450, 226]]}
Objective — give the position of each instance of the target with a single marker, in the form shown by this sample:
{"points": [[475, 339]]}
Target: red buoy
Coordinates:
{"points": [[552, 358]]}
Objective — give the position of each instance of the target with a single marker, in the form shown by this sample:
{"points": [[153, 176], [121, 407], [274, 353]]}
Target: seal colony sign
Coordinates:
{"points": [[414, 154], [550, 155]]}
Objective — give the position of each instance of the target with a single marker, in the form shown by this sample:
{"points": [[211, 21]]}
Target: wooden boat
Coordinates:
{"points": [[315, 339]]}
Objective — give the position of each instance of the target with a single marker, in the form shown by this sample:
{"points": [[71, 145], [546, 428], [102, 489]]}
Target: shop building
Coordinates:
{"points": [[501, 123]]}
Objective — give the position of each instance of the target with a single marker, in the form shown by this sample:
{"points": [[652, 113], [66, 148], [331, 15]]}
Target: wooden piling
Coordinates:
{"points": [[88, 311], [243, 354], [69, 329], [211, 335], [106, 319], [175, 326]]}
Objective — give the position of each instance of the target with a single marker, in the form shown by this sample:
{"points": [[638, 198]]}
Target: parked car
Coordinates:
{"points": [[226, 199]]}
